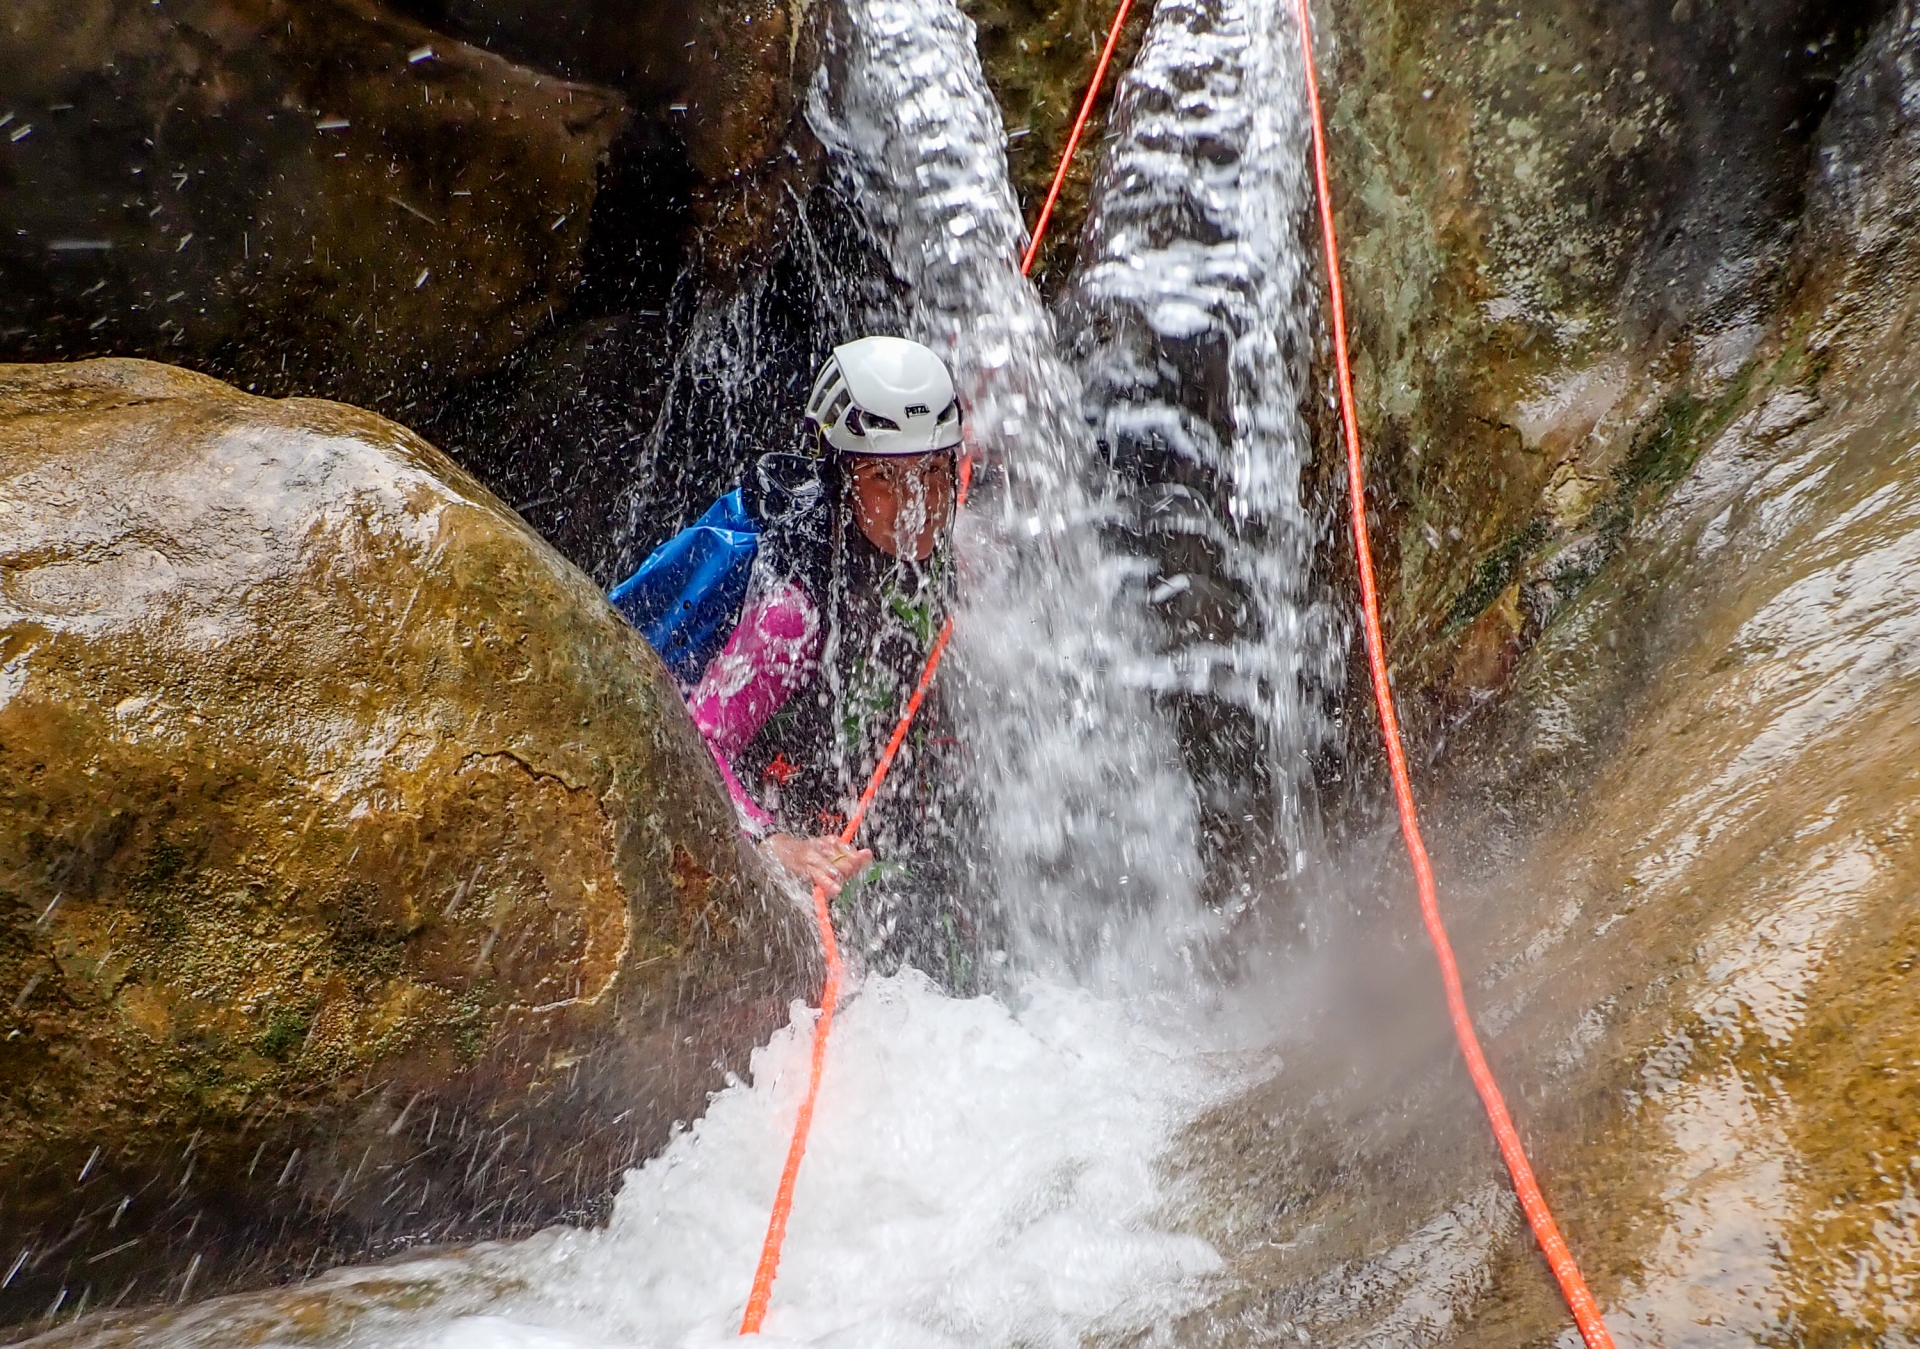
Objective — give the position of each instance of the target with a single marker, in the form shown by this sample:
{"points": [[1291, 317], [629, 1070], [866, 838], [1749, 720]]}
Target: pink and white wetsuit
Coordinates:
{"points": [[772, 652]]}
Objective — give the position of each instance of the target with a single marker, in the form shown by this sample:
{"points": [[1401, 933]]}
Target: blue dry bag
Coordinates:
{"points": [[687, 595]]}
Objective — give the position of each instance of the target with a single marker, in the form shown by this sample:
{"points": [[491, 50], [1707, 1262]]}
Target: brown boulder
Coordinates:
{"points": [[362, 879]]}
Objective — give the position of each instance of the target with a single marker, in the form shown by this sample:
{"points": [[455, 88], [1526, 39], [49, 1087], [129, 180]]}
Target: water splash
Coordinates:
{"points": [[978, 1176]]}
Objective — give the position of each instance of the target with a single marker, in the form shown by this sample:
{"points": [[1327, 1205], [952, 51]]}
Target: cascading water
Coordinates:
{"points": [[1193, 330], [1089, 817], [1696, 975]]}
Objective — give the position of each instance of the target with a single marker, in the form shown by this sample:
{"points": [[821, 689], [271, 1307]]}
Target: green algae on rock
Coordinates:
{"points": [[362, 879], [1565, 230]]}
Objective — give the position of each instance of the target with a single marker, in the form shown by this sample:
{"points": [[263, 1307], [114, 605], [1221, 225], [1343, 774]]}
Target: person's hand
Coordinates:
{"points": [[827, 862]]}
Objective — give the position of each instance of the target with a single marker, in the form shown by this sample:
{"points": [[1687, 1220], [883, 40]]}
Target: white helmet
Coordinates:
{"points": [[885, 395]]}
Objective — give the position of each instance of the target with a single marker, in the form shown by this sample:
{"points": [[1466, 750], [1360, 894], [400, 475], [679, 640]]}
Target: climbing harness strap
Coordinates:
{"points": [[1586, 1313]]}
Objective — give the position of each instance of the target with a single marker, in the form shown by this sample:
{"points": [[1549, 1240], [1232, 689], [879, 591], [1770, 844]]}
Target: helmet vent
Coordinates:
{"points": [[860, 421]]}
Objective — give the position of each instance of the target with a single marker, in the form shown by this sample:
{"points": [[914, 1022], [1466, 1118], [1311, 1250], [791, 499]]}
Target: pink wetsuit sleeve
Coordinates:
{"points": [[758, 822], [769, 655]]}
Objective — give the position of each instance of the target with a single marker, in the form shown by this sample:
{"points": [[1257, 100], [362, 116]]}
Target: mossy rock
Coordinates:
{"points": [[362, 879], [1039, 59]]}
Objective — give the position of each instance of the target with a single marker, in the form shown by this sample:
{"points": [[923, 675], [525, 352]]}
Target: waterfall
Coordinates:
{"points": [[1193, 321], [1088, 813]]}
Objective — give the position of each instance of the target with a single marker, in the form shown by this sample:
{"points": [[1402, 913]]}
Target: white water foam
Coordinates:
{"points": [[978, 1176]]}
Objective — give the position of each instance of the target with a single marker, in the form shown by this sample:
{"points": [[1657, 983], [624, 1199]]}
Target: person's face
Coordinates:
{"points": [[903, 503]]}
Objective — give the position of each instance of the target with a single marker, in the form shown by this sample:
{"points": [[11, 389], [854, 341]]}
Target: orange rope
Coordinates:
{"points": [[769, 1265], [1586, 1313], [783, 1198], [1566, 1270], [829, 999], [1073, 138]]}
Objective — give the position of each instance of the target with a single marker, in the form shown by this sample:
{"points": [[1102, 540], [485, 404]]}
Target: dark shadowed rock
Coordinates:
{"points": [[362, 879], [613, 434], [499, 224], [298, 197], [724, 79]]}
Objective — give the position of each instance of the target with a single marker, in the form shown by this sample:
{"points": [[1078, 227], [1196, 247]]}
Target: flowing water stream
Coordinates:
{"points": [[1088, 816], [1192, 322]]}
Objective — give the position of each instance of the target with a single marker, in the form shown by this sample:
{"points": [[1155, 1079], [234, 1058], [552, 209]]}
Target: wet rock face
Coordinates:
{"points": [[315, 198], [726, 79], [430, 208], [1039, 60], [362, 880], [1566, 228], [1695, 978]]}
